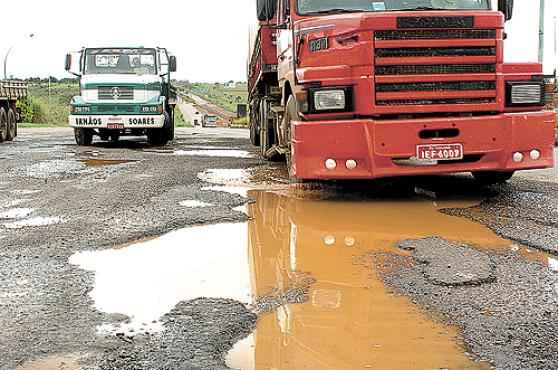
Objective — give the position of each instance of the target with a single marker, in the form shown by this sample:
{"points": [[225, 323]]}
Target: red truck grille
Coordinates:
{"points": [[426, 71]]}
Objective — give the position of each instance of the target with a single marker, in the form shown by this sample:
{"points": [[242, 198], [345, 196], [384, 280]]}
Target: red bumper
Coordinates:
{"points": [[381, 147]]}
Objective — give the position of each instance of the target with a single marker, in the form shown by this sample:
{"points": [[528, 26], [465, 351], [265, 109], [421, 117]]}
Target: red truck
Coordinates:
{"points": [[360, 89]]}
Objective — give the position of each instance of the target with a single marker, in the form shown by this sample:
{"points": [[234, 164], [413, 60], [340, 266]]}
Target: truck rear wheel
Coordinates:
{"points": [[84, 136], [3, 125], [254, 125], [12, 125], [492, 178]]}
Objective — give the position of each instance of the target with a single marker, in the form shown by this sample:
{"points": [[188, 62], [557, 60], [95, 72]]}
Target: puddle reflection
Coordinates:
{"points": [[350, 320]]}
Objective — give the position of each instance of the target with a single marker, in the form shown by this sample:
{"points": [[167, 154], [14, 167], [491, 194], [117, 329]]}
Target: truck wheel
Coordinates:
{"points": [[84, 136], [254, 125], [3, 125], [157, 137], [291, 113], [491, 178], [12, 125], [170, 126], [114, 138]]}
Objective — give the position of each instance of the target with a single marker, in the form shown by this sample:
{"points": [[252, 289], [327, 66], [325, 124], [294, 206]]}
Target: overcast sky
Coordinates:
{"points": [[209, 37]]}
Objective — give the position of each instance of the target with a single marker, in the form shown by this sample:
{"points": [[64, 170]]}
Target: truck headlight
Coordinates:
{"points": [[330, 99], [524, 93]]}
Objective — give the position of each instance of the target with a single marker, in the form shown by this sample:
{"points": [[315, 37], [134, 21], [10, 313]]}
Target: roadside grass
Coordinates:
{"points": [[39, 125], [50, 107]]}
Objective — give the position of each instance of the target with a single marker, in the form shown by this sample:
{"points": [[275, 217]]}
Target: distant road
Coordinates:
{"points": [[211, 108]]}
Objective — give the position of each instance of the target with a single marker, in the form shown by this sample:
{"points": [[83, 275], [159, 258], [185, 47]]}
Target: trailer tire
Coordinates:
{"points": [[492, 178], [12, 125], [3, 125], [84, 136]]}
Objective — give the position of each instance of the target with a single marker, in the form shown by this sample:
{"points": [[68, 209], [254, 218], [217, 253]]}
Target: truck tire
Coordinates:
{"points": [[12, 125], [3, 125], [492, 178], [254, 126], [291, 114], [114, 137], [160, 136], [170, 129], [157, 137], [84, 136]]}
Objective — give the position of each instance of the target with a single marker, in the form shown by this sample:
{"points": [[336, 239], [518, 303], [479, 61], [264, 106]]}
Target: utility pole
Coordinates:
{"points": [[541, 31]]}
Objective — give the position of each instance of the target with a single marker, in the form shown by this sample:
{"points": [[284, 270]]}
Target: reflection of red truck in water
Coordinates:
{"points": [[365, 89]]}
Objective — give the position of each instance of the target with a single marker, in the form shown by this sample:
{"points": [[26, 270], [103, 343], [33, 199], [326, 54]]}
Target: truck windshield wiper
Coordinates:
{"points": [[337, 10]]}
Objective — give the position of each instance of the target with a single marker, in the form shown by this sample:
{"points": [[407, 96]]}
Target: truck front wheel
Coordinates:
{"points": [[161, 136], [84, 136], [492, 178], [12, 125], [291, 114]]}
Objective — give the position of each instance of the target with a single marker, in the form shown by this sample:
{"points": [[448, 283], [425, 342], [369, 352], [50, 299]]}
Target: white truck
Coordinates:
{"points": [[10, 93], [124, 91]]}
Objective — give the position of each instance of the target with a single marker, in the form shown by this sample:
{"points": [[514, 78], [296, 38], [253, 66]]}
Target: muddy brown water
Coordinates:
{"points": [[349, 321]]}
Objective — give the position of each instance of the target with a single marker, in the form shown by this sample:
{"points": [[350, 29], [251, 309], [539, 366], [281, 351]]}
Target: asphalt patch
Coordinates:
{"points": [[450, 264]]}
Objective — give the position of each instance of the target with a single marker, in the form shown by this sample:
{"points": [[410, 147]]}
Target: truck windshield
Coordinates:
{"points": [[120, 61], [309, 7]]}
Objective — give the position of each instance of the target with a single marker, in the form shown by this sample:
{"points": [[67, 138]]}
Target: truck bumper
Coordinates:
{"points": [[117, 122], [387, 148]]}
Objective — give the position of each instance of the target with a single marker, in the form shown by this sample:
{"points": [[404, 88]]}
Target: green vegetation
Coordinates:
{"points": [[225, 95], [48, 106], [179, 120]]}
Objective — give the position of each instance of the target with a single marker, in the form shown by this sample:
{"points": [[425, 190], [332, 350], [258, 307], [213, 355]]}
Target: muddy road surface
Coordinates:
{"points": [[198, 255]]}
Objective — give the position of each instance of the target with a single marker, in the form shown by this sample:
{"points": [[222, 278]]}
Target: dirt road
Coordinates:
{"points": [[199, 255]]}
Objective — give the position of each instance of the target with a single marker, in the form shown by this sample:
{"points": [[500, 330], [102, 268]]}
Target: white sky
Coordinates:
{"points": [[209, 37]]}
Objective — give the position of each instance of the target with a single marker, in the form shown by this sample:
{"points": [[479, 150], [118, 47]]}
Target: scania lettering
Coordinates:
{"points": [[355, 89], [124, 91]]}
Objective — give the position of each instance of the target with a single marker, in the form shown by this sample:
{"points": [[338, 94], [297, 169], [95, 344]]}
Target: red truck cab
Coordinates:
{"points": [[380, 89]]}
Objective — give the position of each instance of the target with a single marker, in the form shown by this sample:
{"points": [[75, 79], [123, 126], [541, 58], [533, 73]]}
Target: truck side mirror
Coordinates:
{"points": [[68, 62], [506, 7], [172, 63]]}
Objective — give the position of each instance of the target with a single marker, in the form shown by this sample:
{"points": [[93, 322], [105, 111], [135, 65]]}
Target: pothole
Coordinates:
{"points": [[144, 281]]}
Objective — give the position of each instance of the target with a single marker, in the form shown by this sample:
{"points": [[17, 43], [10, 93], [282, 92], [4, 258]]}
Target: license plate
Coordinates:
{"points": [[440, 152], [115, 126]]}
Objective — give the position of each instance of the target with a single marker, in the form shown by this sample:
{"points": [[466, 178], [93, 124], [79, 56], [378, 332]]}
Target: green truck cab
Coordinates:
{"points": [[123, 92]]}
